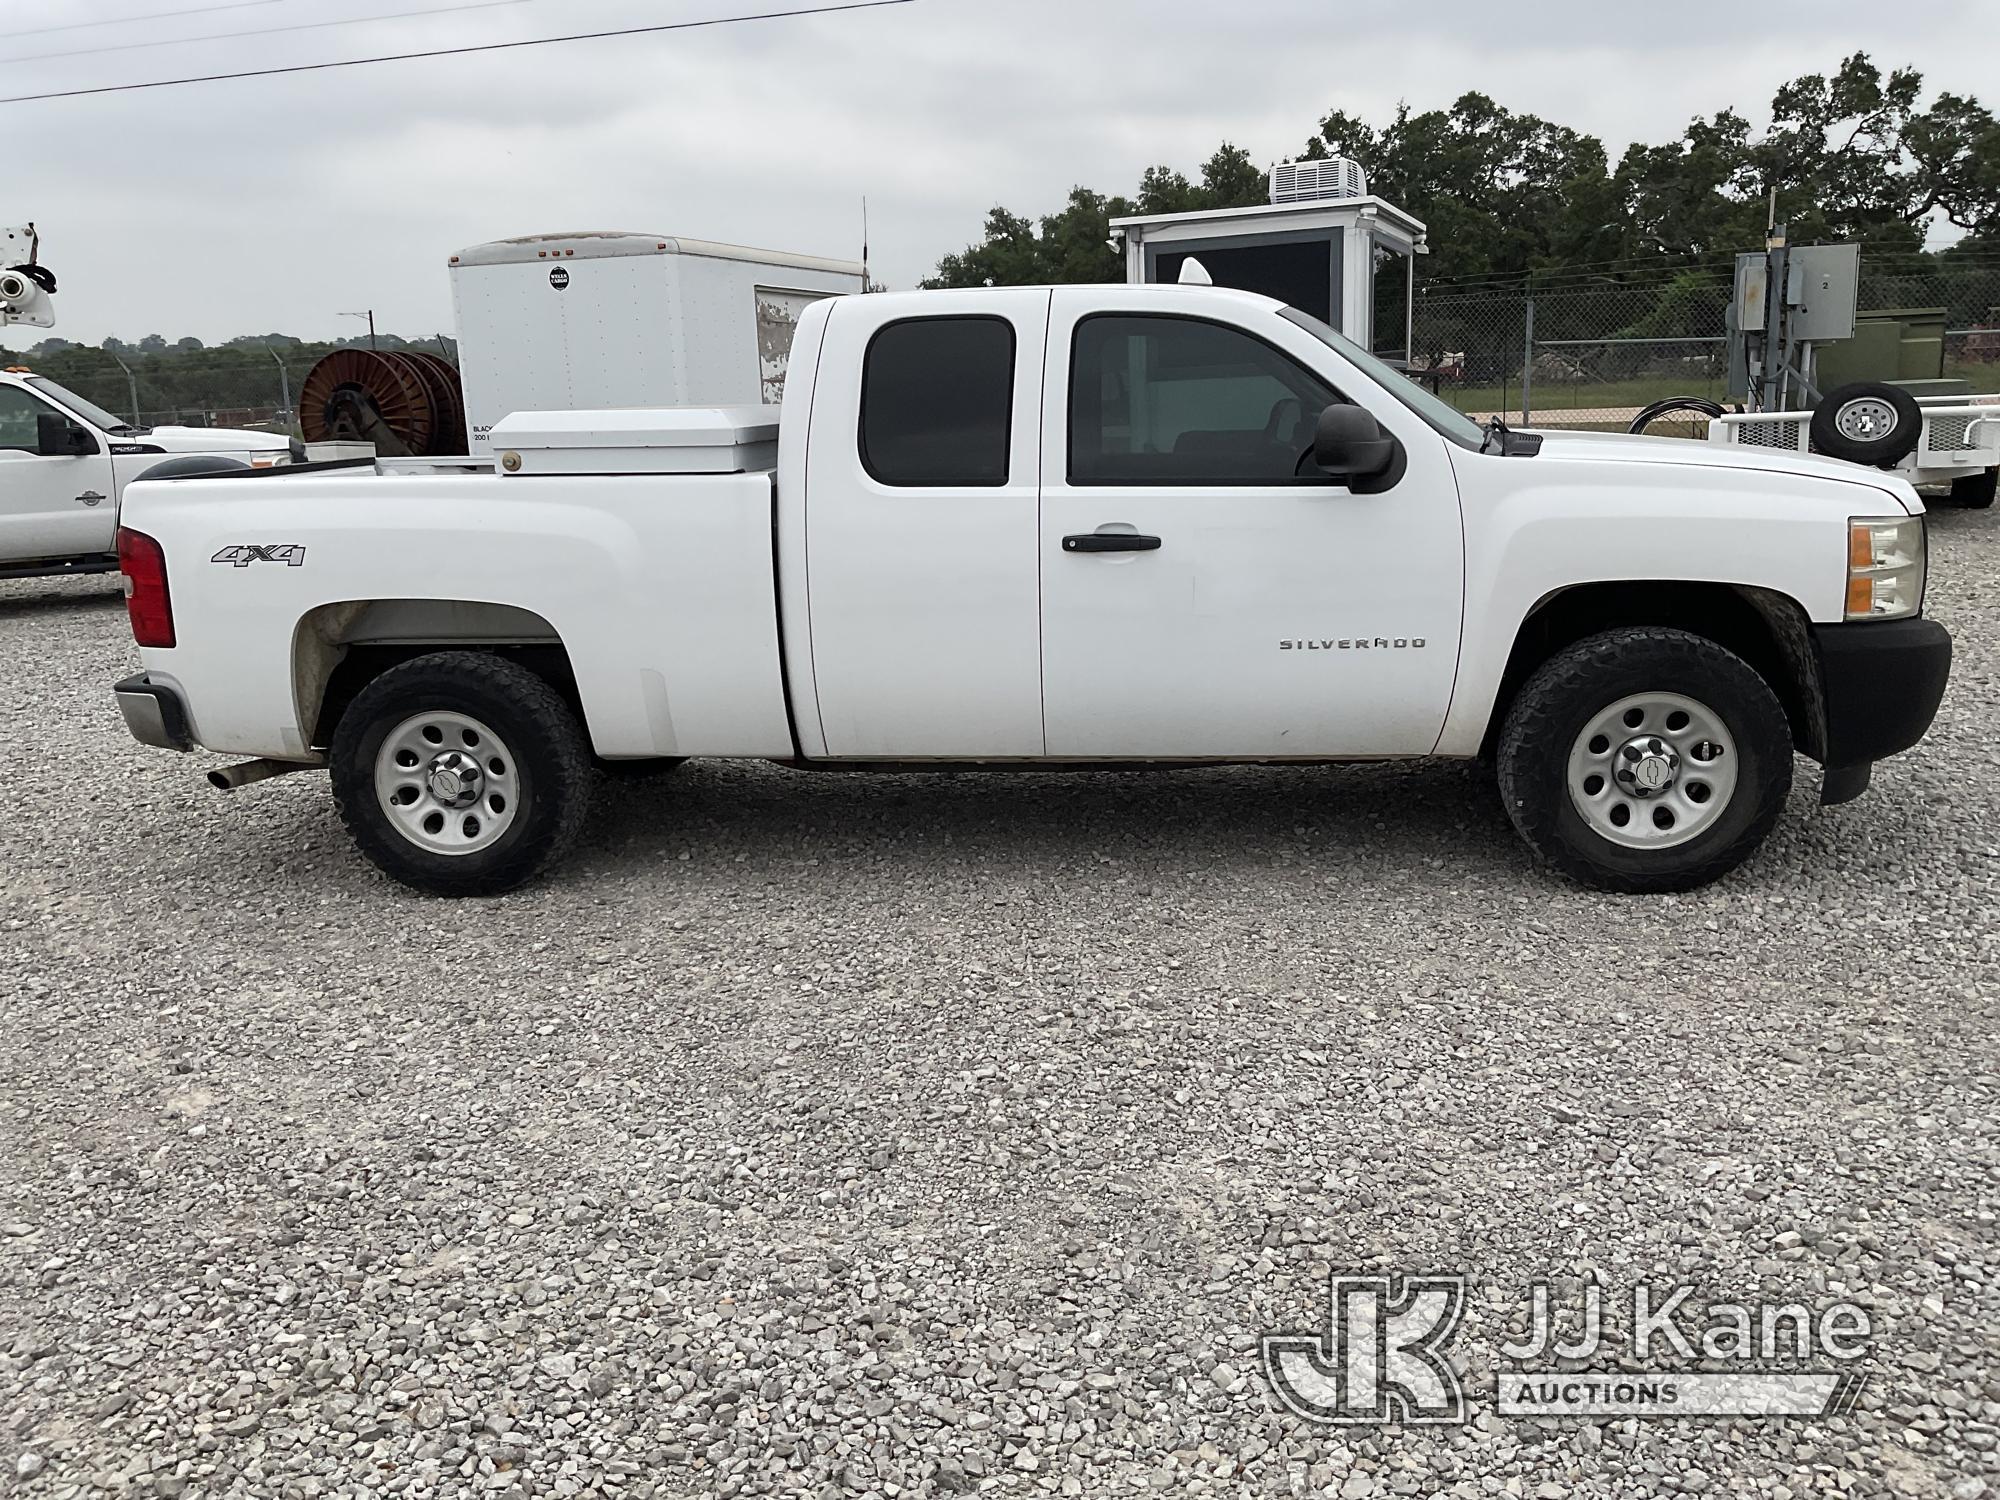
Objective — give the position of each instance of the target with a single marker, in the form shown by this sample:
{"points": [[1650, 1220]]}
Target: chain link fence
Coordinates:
{"points": [[1581, 355], [256, 393], [1593, 356], [224, 387]]}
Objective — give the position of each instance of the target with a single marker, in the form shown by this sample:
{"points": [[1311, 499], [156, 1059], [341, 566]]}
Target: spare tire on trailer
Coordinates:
{"points": [[1867, 422]]}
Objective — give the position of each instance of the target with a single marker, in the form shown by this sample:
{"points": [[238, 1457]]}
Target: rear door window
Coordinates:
{"points": [[937, 403]]}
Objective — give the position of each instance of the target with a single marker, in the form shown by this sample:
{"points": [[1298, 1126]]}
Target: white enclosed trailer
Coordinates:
{"points": [[569, 322]]}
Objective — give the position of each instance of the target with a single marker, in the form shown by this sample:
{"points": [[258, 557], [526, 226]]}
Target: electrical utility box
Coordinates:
{"points": [[599, 320], [1822, 290], [1323, 244]]}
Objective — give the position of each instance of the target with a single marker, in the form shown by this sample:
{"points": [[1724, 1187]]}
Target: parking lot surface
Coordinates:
{"points": [[892, 1135]]}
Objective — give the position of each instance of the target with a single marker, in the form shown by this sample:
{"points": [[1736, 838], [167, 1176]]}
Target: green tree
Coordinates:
{"points": [[1073, 244], [1857, 155], [1500, 192]]}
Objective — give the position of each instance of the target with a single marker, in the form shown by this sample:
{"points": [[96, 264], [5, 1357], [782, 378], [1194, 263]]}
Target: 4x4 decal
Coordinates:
{"points": [[289, 553]]}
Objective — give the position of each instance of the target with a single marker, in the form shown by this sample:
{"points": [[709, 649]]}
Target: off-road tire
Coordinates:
{"points": [[1556, 704], [549, 752]]}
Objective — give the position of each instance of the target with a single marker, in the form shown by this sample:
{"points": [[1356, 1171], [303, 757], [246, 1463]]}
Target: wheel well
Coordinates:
{"points": [[340, 648], [1767, 629]]}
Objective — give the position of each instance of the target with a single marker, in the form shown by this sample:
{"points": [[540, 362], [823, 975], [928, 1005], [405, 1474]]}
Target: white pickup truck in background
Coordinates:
{"points": [[1045, 527], [65, 463]]}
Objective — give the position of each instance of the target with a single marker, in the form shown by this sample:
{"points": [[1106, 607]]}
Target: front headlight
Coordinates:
{"points": [[1885, 567]]}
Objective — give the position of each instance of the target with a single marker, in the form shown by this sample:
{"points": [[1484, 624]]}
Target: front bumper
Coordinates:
{"points": [[1881, 683], [153, 712]]}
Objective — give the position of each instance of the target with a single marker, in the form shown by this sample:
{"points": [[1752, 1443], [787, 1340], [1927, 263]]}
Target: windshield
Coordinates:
{"points": [[1438, 413], [90, 411]]}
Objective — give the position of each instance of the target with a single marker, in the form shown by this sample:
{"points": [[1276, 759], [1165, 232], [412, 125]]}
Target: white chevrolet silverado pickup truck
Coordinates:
{"points": [[1044, 528]]}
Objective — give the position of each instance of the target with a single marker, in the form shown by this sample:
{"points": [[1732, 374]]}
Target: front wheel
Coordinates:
{"points": [[461, 773], [1645, 760]]}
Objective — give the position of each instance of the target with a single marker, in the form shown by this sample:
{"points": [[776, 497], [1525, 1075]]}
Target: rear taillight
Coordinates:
{"points": [[146, 599]]}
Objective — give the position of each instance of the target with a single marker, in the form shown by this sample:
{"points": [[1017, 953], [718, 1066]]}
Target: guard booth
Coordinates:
{"points": [[1323, 244]]}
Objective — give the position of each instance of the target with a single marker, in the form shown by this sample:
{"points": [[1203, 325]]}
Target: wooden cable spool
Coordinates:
{"points": [[406, 402]]}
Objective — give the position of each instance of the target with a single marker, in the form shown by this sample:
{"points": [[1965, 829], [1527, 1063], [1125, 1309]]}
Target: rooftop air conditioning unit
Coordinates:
{"points": [[1317, 181]]}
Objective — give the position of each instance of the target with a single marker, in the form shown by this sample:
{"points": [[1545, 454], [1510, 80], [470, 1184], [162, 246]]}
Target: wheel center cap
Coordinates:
{"points": [[1647, 766], [454, 779]]}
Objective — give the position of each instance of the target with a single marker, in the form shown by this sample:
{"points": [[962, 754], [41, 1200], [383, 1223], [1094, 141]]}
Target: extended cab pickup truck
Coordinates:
{"points": [[65, 463], [1045, 527]]}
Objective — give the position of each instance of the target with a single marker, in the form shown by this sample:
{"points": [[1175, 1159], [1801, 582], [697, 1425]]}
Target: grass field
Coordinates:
{"points": [[1483, 400], [1550, 395]]}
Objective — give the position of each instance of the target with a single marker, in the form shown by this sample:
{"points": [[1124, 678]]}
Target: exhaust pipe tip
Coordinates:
{"points": [[229, 778]]}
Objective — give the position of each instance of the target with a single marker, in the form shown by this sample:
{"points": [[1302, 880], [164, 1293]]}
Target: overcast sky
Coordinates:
{"points": [[275, 204]]}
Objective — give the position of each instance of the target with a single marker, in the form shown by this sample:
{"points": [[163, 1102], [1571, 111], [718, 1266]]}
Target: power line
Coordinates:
{"points": [[223, 36], [161, 15], [545, 41]]}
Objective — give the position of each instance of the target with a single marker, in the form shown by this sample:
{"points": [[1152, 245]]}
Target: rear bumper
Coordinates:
{"points": [[1881, 683], [153, 712]]}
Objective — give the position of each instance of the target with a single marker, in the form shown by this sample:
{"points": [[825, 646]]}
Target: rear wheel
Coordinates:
{"points": [[1645, 759], [460, 773]]}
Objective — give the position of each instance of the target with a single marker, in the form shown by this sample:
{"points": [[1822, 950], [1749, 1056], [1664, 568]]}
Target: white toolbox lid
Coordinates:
{"points": [[638, 440]]}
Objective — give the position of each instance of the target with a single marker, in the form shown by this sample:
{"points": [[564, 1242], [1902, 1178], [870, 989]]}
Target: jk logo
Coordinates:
{"points": [[1381, 1356]]}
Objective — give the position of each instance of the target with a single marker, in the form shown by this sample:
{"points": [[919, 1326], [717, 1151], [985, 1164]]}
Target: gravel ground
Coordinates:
{"points": [[900, 1136]]}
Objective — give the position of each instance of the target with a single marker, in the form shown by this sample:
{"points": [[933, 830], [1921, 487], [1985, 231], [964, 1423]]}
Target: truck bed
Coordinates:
{"points": [[660, 588]]}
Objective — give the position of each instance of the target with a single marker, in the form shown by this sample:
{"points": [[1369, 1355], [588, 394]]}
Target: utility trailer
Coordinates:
{"points": [[1789, 300], [598, 320], [1957, 444], [568, 322]]}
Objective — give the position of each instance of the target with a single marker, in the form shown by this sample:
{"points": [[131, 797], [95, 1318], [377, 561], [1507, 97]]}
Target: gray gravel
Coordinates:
{"points": [[837, 1136]]}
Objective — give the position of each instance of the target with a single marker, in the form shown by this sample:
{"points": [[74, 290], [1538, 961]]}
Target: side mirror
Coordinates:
{"points": [[1349, 444], [58, 437]]}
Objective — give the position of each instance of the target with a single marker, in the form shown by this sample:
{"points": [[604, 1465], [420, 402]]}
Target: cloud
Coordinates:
{"points": [[278, 203]]}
